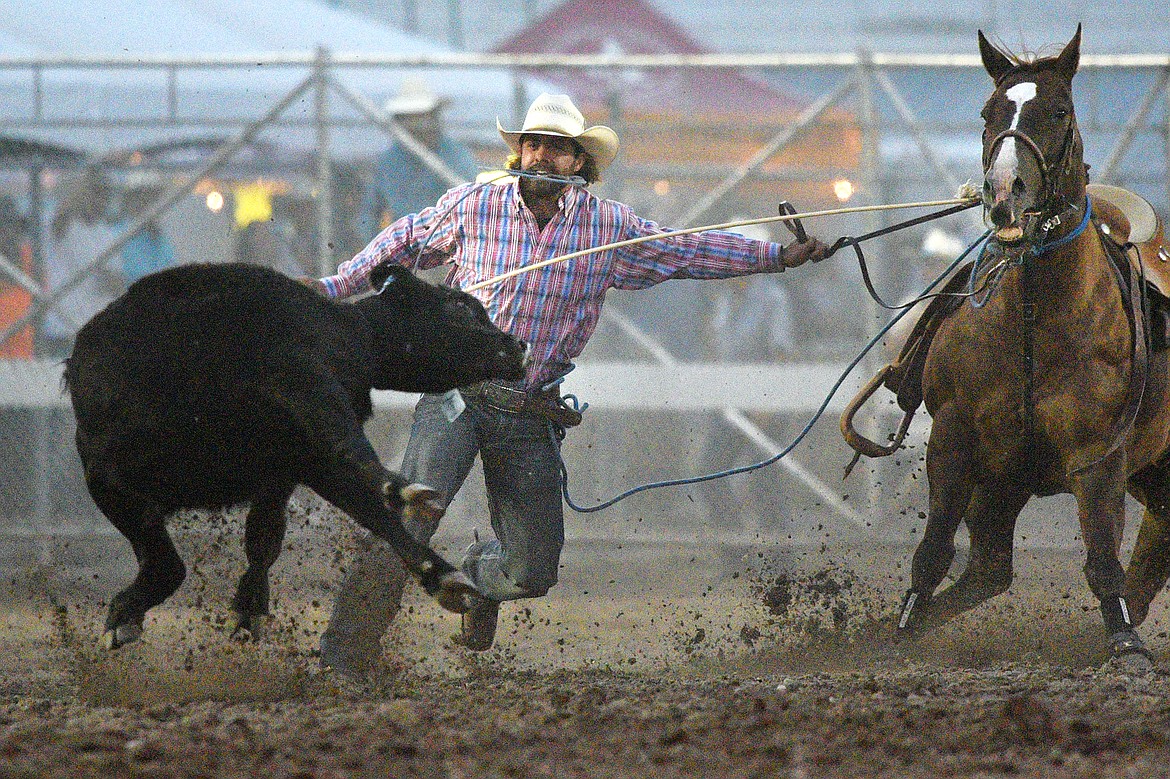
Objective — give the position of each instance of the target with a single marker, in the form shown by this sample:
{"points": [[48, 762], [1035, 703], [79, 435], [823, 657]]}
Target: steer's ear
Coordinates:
{"points": [[384, 276]]}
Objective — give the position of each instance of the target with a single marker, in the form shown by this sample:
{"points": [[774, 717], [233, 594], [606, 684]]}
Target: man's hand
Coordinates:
{"points": [[797, 253], [316, 284]]}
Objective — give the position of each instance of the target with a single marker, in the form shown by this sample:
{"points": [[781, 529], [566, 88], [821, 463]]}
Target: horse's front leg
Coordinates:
{"points": [[1100, 494], [991, 520], [949, 475]]}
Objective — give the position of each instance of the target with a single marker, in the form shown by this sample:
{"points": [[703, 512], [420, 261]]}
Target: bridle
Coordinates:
{"points": [[1050, 176]]}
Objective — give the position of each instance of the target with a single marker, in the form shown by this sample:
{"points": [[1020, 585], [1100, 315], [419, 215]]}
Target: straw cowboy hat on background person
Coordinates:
{"points": [[414, 97], [556, 115]]}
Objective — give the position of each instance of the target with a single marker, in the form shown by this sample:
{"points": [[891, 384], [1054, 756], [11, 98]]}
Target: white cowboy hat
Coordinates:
{"points": [[556, 115], [414, 97]]}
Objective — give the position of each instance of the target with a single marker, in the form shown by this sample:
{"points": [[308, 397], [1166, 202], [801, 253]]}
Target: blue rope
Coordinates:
{"points": [[1040, 249], [764, 463]]}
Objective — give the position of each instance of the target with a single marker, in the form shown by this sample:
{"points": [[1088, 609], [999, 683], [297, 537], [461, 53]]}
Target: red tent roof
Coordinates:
{"points": [[635, 27]]}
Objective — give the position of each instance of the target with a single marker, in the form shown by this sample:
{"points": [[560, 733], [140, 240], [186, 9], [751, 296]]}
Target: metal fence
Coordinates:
{"points": [[915, 121]]}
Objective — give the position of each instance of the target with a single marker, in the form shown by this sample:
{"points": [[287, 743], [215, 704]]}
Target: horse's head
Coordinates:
{"points": [[1033, 167]]}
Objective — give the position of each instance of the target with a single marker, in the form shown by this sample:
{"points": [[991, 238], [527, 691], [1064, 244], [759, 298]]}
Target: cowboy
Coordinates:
{"points": [[403, 183], [543, 209]]}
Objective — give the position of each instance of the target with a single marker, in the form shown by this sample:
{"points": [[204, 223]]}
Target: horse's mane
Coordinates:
{"points": [[1033, 60]]}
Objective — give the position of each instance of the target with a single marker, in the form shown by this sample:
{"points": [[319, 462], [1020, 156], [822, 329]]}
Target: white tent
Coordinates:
{"points": [[104, 109]]}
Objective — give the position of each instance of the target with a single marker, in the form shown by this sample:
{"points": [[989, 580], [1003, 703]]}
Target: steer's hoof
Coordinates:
{"points": [[1129, 653], [456, 592], [421, 504], [243, 627], [120, 636]]}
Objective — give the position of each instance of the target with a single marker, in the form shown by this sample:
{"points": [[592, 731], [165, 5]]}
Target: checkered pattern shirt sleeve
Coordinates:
{"points": [[483, 231]]}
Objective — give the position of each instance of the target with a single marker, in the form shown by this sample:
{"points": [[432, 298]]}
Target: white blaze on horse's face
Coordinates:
{"points": [[1004, 175], [1006, 162]]}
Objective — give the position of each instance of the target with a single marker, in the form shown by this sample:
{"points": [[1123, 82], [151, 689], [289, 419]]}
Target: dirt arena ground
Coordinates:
{"points": [[696, 662]]}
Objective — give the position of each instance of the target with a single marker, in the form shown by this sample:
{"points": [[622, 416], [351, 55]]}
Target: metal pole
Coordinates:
{"points": [[871, 191], [1132, 126], [455, 32], [410, 15], [806, 118], [385, 121], [242, 138], [324, 165], [1166, 148], [915, 128], [736, 419]]}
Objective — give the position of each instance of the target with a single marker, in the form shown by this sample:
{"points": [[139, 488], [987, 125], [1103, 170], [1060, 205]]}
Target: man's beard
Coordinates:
{"points": [[540, 187]]}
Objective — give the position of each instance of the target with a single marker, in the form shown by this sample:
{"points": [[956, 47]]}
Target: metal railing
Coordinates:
{"points": [[871, 88]]}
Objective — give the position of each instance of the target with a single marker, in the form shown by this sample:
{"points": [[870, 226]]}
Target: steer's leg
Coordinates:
{"points": [[991, 520], [354, 481], [1100, 494], [160, 569], [263, 535]]}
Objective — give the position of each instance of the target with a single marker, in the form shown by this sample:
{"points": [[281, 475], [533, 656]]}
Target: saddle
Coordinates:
{"points": [[1134, 240]]}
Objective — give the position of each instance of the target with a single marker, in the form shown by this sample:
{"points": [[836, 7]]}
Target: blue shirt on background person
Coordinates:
{"points": [[402, 183]]}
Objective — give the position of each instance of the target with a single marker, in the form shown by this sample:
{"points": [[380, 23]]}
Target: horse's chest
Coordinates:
{"points": [[1024, 392]]}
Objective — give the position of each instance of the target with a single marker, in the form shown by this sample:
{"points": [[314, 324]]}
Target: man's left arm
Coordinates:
{"points": [[712, 254]]}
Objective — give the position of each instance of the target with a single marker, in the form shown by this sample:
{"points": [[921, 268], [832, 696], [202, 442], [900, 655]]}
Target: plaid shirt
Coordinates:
{"points": [[484, 230]]}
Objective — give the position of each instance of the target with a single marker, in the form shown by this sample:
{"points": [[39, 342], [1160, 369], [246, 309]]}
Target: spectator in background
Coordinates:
{"points": [[79, 233], [150, 249], [404, 184], [15, 262]]}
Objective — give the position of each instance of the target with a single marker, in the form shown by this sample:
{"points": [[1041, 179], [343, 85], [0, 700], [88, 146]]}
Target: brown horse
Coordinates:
{"points": [[1047, 382]]}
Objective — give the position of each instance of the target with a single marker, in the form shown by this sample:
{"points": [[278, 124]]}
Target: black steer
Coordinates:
{"points": [[205, 386]]}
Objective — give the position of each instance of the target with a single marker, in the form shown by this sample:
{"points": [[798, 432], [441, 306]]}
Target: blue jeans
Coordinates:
{"points": [[521, 465]]}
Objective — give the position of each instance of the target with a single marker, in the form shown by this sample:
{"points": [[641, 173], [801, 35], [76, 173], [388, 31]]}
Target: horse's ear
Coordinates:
{"points": [[995, 61], [1070, 59]]}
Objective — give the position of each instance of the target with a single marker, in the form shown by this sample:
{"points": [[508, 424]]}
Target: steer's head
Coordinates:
{"points": [[430, 338]]}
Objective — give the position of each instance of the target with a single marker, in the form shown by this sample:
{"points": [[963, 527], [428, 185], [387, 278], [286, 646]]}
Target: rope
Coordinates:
{"points": [[722, 226], [784, 452]]}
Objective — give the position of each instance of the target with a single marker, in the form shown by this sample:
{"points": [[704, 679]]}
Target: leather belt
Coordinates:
{"points": [[545, 403], [500, 397]]}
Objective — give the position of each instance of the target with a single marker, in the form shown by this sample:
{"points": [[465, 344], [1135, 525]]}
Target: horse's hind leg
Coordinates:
{"points": [[263, 535], [1149, 567], [991, 520], [160, 569]]}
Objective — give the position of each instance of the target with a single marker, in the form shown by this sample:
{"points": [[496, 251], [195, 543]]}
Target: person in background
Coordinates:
{"points": [[16, 256], [79, 233], [544, 209], [402, 183], [149, 250]]}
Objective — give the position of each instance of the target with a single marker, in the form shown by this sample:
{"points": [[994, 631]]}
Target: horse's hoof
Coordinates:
{"points": [[911, 616], [243, 627], [1129, 653], [120, 636], [456, 592]]}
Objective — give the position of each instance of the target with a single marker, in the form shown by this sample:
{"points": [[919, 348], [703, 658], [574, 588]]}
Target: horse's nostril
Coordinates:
{"points": [[1018, 187]]}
